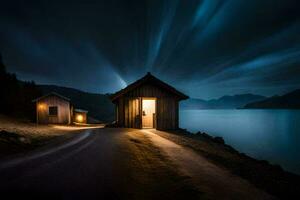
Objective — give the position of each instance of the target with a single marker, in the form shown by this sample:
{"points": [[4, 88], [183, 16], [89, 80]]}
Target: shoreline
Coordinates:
{"points": [[264, 175]]}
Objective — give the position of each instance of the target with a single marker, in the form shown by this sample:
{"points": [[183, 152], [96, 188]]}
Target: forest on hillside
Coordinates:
{"points": [[16, 96]]}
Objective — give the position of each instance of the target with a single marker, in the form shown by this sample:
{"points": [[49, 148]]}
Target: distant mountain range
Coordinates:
{"points": [[225, 102], [101, 108], [98, 105], [290, 100]]}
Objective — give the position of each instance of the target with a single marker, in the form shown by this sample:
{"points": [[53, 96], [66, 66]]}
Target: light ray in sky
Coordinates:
{"points": [[158, 35]]}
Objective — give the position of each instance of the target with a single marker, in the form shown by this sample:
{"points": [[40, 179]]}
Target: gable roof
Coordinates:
{"points": [[149, 78], [51, 94]]}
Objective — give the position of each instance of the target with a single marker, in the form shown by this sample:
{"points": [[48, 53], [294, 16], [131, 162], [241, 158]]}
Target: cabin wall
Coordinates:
{"points": [[84, 118], [63, 112], [167, 114], [129, 108], [149, 90], [120, 113]]}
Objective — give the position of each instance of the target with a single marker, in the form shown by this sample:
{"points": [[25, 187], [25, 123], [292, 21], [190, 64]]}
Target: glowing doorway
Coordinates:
{"points": [[148, 113]]}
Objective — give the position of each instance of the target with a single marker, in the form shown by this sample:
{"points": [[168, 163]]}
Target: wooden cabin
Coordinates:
{"points": [[148, 103], [53, 108], [80, 116]]}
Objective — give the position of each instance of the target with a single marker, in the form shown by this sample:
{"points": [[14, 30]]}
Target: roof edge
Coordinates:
{"points": [[144, 79], [49, 94], [80, 110]]}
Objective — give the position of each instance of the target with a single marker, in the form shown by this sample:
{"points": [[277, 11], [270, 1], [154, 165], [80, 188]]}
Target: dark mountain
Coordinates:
{"points": [[98, 105], [288, 101], [225, 102], [192, 104]]}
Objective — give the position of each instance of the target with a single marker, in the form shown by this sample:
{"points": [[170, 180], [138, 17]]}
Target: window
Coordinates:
{"points": [[53, 110]]}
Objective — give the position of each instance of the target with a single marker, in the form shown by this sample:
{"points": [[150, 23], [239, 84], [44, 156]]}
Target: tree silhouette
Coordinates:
{"points": [[16, 96], [2, 67]]}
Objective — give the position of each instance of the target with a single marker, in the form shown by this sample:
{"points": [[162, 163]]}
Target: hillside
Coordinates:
{"points": [[225, 102], [16, 96], [288, 101], [98, 105]]}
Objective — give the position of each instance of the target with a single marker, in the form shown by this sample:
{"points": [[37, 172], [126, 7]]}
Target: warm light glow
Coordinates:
{"points": [[71, 128], [148, 111], [79, 118], [42, 106], [149, 104]]}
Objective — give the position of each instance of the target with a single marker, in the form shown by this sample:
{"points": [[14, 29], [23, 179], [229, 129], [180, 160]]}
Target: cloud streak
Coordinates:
{"points": [[205, 48]]}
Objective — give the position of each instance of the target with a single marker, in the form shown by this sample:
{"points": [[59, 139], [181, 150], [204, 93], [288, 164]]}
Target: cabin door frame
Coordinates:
{"points": [[148, 121]]}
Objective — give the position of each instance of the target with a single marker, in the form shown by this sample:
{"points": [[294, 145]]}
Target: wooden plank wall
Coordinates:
{"points": [[63, 115], [131, 117], [121, 112], [166, 113], [148, 91]]}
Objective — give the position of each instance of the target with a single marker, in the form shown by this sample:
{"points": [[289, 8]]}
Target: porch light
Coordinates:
{"points": [[79, 118], [42, 106]]}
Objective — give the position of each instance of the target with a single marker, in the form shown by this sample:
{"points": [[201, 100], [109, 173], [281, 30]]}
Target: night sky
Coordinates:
{"points": [[205, 48]]}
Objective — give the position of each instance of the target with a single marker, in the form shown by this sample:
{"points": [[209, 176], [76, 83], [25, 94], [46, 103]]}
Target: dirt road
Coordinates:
{"points": [[120, 164]]}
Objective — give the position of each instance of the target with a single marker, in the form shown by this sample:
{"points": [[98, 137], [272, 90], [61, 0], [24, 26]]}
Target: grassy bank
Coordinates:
{"points": [[271, 178], [21, 136]]}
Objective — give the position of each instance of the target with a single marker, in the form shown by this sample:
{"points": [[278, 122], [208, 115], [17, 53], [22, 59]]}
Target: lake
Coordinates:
{"points": [[272, 135]]}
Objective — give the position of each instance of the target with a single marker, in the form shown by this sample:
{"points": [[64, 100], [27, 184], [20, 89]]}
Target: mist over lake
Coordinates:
{"points": [[272, 135]]}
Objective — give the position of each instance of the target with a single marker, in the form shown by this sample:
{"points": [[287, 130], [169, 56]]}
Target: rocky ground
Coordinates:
{"points": [[270, 178]]}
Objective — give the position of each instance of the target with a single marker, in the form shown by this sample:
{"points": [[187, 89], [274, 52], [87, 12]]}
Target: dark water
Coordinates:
{"points": [[272, 135]]}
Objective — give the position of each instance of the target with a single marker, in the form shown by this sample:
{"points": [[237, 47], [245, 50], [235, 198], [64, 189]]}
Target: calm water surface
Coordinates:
{"points": [[273, 135]]}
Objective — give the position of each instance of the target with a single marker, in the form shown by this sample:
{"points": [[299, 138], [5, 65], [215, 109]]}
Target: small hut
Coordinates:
{"points": [[80, 116], [53, 108], [148, 103]]}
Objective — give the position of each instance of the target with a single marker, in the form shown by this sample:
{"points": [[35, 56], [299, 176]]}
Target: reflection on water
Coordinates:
{"points": [[273, 135]]}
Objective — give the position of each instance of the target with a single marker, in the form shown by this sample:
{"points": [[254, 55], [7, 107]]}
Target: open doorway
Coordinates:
{"points": [[148, 113]]}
